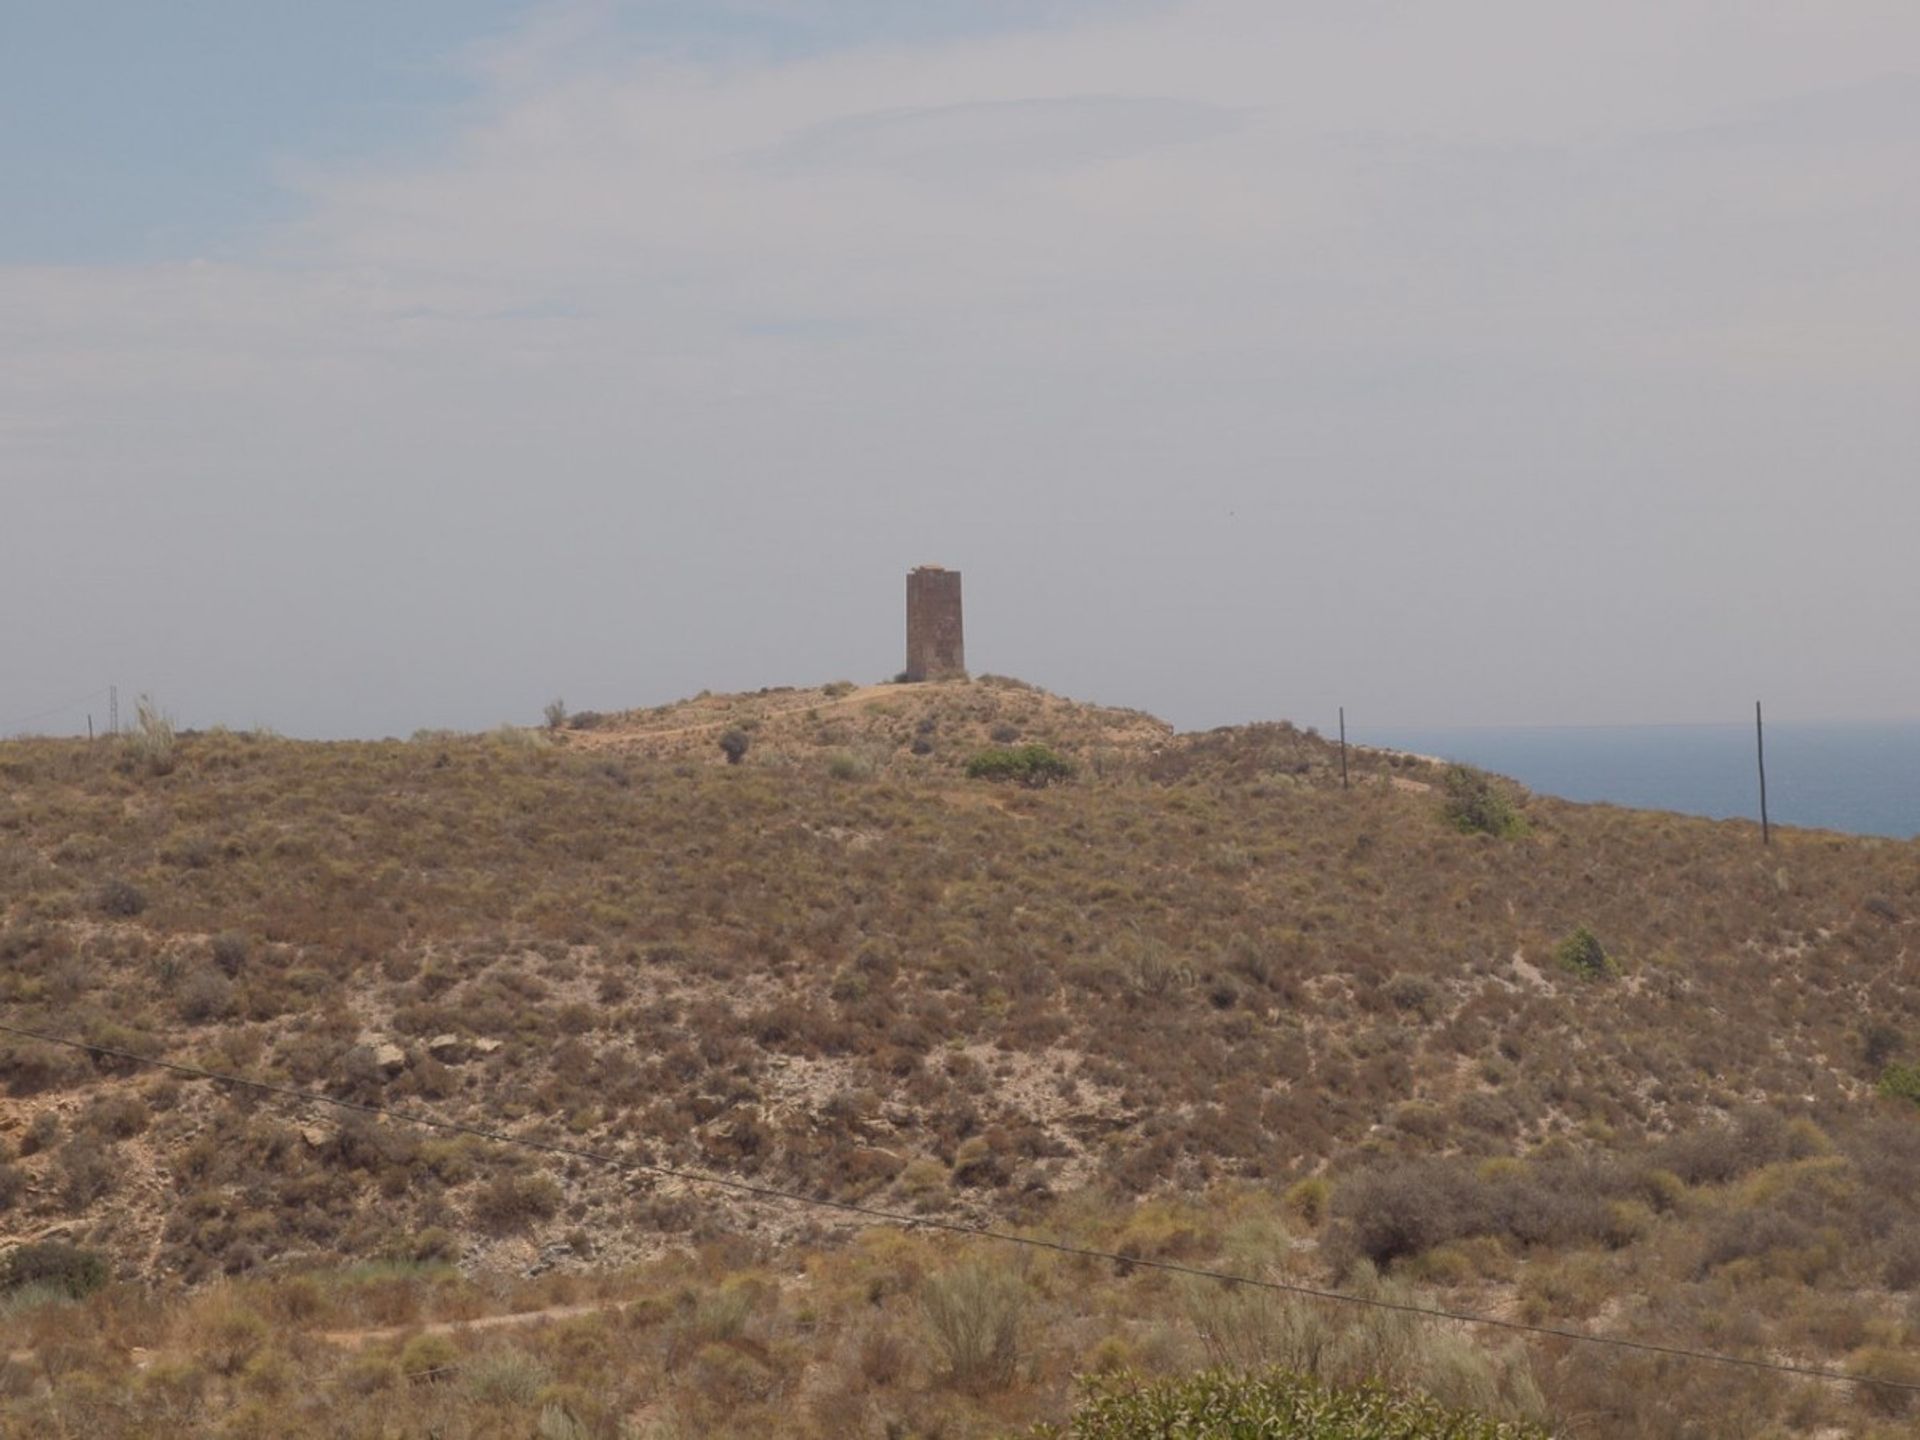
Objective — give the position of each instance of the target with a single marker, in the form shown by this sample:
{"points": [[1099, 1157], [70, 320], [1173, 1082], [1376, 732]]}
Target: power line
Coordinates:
{"points": [[978, 1232], [52, 709]]}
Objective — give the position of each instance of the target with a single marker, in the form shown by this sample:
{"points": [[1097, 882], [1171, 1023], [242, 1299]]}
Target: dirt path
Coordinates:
{"points": [[354, 1339]]}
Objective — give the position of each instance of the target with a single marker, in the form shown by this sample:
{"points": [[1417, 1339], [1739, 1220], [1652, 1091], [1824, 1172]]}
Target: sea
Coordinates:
{"points": [[1859, 778]]}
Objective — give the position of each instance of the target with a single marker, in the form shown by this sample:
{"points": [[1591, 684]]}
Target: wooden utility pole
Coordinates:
{"points": [[1760, 748], [1343, 747]]}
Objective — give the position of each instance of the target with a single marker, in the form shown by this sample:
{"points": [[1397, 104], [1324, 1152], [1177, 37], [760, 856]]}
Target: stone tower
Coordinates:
{"points": [[935, 647]]}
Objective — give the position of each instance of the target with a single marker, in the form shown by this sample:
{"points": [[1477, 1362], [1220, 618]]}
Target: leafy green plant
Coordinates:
{"points": [[1901, 1082], [1032, 765], [733, 745], [1223, 1405], [56, 1265], [1476, 805], [1583, 954]]}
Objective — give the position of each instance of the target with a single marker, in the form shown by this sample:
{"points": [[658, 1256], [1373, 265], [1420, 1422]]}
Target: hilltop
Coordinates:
{"points": [[1603, 1069], [917, 730]]}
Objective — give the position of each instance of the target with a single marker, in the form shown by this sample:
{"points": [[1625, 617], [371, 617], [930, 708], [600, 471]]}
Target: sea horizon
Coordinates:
{"points": [[1856, 777]]}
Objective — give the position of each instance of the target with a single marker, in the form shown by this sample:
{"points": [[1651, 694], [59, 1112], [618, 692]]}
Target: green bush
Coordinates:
{"points": [[54, 1264], [1222, 1405], [1032, 765], [1476, 805], [1902, 1082], [1583, 954], [734, 746]]}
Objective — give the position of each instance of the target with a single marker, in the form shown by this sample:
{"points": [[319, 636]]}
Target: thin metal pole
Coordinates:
{"points": [[1343, 747], [1760, 747]]}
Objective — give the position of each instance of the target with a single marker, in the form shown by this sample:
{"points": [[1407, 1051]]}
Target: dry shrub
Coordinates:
{"points": [[973, 1318], [121, 899], [223, 1333], [151, 743], [1715, 1154], [713, 1317], [732, 1375], [204, 995], [29, 1067], [880, 1356], [1623, 1395], [1901, 1367], [513, 1201], [118, 1116], [428, 1356], [1399, 1210], [1308, 1200], [88, 1172], [505, 1377]]}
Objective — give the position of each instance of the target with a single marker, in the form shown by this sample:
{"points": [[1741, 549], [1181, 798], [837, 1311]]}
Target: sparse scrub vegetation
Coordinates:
{"points": [[1201, 1004]]}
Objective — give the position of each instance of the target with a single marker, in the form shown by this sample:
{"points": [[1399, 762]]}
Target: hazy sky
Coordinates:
{"points": [[369, 366]]}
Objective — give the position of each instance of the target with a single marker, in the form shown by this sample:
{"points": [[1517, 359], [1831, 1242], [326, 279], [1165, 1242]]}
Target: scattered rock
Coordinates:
{"points": [[447, 1049], [390, 1059], [550, 1256], [315, 1135], [487, 1047]]}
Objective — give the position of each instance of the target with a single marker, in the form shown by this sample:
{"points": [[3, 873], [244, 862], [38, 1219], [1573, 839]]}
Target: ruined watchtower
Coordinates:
{"points": [[935, 647]]}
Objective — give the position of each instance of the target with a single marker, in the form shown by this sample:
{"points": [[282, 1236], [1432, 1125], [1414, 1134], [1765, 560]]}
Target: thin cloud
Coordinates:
{"points": [[1501, 326], [1011, 137]]}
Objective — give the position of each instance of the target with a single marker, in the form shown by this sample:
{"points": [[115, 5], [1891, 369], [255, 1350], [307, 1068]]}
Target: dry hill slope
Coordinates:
{"points": [[1198, 969]]}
